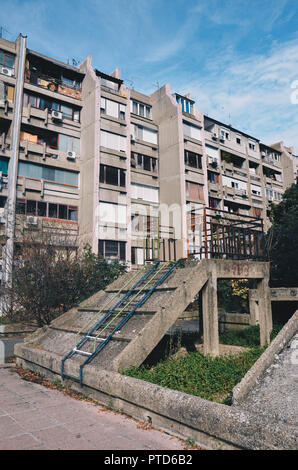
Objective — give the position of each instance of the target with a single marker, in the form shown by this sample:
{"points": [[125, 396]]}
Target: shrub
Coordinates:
{"points": [[47, 283]]}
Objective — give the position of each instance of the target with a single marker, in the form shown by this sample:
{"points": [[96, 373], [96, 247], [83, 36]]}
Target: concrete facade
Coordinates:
{"points": [[86, 156]]}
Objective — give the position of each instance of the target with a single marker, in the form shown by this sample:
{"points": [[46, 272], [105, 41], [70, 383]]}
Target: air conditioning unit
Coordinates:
{"points": [[132, 138], [2, 103], [214, 136], [71, 155], [31, 220], [56, 115], [6, 71]]}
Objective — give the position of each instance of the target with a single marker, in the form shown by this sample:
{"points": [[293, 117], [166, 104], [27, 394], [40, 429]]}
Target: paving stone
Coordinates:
{"points": [[37, 418]]}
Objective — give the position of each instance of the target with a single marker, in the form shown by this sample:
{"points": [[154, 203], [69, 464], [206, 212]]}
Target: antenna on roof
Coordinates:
{"points": [[157, 85], [76, 62], [130, 82]]}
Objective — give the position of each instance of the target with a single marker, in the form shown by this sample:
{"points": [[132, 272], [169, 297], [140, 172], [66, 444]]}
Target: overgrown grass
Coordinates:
{"points": [[248, 337], [195, 374], [204, 376]]}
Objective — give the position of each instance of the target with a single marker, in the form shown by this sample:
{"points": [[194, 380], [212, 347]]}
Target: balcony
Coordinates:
{"points": [[4, 142], [53, 84], [270, 159]]}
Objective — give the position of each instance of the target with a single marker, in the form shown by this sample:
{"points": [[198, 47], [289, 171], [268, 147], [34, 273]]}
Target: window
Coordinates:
{"points": [[140, 109], [144, 192], [4, 165], [6, 59], [113, 141], [46, 209], [42, 209], [69, 144], [111, 249], [234, 185], [112, 175], [6, 92], [112, 213], [143, 162], [109, 84], [256, 190], [68, 112], [251, 146], [70, 83], [224, 134], [112, 108], [186, 105], [146, 134], [238, 140], [144, 224], [33, 170], [214, 203], [194, 191], [256, 212], [192, 131], [193, 159], [213, 177]]}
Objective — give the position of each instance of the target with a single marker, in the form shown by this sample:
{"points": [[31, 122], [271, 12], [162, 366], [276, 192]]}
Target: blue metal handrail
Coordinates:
{"points": [[106, 316], [125, 319]]}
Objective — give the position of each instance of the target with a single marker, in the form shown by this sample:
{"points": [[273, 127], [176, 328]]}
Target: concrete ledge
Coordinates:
{"points": [[212, 425], [261, 365], [7, 348], [16, 329]]}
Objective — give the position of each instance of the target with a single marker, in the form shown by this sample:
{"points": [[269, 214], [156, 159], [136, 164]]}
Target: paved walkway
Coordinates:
{"points": [[35, 417]]}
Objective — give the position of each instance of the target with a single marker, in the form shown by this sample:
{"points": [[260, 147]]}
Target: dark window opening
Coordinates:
{"points": [[111, 249], [112, 175], [193, 159]]}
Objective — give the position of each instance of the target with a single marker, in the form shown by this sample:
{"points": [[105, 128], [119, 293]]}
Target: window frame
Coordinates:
{"points": [[121, 175], [68, 208], [135, 106]]}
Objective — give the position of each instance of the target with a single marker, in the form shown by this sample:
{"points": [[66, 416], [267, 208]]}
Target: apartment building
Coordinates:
{"points": [[214, 165], [40, 147], [92, 161], [119, 189]]}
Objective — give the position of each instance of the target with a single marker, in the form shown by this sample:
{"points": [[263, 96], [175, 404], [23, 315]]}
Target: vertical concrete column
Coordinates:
{"points": [[253, 307], [265, 312], [210, 315]]}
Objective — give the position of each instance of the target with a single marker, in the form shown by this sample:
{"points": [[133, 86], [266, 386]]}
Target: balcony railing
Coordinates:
{"points": [[270, 160]]}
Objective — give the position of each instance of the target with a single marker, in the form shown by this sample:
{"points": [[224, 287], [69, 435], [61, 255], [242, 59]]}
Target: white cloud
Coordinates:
{"points": [[253, 93]]}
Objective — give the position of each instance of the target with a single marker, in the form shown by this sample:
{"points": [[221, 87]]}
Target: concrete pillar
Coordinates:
{"points": [[210, 315], [265, 312], [253, 307]]}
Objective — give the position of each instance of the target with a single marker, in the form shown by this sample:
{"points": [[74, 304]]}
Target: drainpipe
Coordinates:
{"points": [[13, 165]]}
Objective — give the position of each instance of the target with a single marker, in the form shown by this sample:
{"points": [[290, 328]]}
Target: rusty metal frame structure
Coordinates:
{"points": [[225, 235]]}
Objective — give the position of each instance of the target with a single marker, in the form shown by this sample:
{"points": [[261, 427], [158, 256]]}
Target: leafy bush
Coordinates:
{"points": [[46, 283], [282, 240], [248, 337]]}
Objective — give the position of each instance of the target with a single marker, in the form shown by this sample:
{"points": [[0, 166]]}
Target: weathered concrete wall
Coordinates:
{"points": [[18, 329], [7, 348], [255, 373], [212, 425], [233, 321]]}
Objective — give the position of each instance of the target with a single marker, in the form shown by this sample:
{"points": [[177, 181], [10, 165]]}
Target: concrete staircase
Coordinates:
{"points": [[138, 337]]}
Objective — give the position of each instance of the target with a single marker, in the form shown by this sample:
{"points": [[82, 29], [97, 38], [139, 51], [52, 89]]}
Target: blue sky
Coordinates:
{"points": [[237, 58]]}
